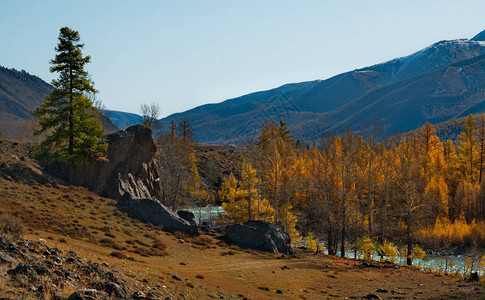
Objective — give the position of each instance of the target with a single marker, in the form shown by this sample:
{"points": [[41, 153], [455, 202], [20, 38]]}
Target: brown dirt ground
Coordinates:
{"points": [[71, 217]]}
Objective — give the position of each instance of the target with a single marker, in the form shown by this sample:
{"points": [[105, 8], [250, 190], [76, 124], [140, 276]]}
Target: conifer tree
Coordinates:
{"points": [[68, 116], [467, 149]]}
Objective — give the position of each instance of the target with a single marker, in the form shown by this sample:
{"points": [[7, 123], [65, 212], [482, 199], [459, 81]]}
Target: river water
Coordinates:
{"points": [[207, 213], [432, 262], [436, 263]]}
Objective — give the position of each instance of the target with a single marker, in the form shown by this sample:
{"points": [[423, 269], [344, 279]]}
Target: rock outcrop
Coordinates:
{"points": [[152, 211], [187, 216], [131, 166], [261, 236]]}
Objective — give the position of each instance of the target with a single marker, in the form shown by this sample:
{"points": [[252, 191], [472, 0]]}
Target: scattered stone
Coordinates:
{"points": [[114, 289], [76, 296], [285, 268], [372, 296], [261, 236], [176, 277], [279, 292], [41, 270], [6, 259], [23, 269], [138, 295], [382, 291]]}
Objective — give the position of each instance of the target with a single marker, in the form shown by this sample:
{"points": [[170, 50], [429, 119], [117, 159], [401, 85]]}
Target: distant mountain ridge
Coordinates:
{"points": [[121, 119], [435, 84]]}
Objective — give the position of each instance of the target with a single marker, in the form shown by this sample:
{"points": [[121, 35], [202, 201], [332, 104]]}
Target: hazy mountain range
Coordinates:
{"points": [[440, 83]]}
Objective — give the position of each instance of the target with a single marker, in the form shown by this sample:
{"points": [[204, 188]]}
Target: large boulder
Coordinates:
{"points": [[187, 216], [261, 236], [152, 211], [130, 167]]}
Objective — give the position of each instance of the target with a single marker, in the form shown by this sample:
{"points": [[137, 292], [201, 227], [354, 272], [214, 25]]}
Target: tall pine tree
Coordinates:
{"points": [[67, 116]]}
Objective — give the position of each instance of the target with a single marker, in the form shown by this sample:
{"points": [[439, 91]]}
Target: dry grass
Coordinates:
{"points": [[11, 227]]}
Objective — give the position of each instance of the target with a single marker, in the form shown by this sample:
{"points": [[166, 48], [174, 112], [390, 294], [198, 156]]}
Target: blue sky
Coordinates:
{"points": [[181, 54]]}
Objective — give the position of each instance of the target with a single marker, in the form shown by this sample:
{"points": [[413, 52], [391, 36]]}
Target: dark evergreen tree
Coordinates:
{"points": [[68, 117]]}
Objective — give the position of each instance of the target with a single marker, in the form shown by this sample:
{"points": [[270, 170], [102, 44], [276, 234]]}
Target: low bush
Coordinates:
{"points": [[11, 227]]}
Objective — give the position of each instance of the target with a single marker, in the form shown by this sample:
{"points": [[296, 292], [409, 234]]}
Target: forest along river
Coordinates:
{"points": [[433, 262], [446, 264]]}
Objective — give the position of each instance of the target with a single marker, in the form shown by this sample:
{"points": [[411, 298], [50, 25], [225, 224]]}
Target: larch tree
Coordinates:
{"points": [[481, 145], [68, 117], [467, 149], [345, 147]]}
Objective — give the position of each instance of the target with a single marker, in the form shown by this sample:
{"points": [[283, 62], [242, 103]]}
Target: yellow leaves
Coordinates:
{"points": [[418, 253], [312, 243], [389, 250], [288, 220], [437, 190], [368, 248], [457, 234]]}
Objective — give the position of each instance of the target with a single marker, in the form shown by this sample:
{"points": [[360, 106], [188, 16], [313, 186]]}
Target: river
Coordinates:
{"points": [[432, 262]]}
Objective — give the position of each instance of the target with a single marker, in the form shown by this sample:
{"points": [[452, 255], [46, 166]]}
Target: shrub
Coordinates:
{"points": [[202, 241], [118, 254], [11, 227], [312, 244], [109, 243], [159, 245], [389, 250], [417, 252]]}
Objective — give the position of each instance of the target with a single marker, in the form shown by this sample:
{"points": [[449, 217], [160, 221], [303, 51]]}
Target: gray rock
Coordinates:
{"points": [[138, 295], [372, 296], [152, 211], [6, 259], [187, 216], [76, 296], [114, 290], [260, 235], [131, 166], [23, 269]]}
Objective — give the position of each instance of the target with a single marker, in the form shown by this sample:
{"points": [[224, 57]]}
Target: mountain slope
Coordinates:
{"points": [[20, 93], [392, 93]]}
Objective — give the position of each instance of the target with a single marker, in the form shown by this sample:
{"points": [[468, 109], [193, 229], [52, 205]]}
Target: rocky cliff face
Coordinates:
{"points": [[131, 166], [130, 175]]}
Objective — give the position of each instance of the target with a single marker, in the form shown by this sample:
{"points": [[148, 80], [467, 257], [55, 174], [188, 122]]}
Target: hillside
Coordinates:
{"points": [[21, 92], [122, 120], [77, 241], [435, 84]]}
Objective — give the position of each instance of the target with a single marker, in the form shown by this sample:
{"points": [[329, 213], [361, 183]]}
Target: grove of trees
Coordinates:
{"points": [[403, 191]]}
